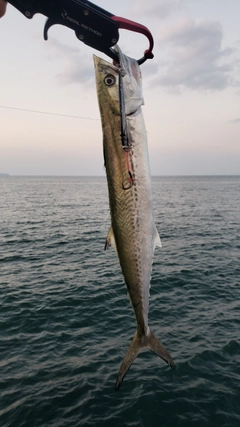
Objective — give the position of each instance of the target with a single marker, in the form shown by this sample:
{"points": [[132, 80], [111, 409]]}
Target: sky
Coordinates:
{"points": [[191, 90]]}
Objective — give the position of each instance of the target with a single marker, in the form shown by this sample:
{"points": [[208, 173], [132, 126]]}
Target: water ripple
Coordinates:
{"points": [[66, 319]]}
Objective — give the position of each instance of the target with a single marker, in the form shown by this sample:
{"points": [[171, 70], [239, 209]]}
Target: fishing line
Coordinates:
{"points": [[48, 113]]}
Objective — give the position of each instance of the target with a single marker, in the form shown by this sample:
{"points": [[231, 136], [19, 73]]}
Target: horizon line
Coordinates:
{"points": [[6, 175]]}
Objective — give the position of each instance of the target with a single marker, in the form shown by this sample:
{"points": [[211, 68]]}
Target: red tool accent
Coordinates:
{"points": [[126, 24]]}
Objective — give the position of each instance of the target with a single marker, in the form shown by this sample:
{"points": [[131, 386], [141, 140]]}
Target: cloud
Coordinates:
{"points": [[158, 9], [78, 68], [61, 48], [162, 9], [235, 121], [194, 57]]}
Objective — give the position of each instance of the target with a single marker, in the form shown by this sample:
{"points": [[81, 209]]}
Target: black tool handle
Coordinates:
{"points": [[91, 24]]}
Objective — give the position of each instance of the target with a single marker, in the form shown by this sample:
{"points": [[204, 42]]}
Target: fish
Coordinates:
{"points": [[133, 232]]}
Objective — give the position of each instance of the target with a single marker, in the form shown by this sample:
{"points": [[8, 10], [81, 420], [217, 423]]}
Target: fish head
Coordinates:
{"points": [[107, 80]]}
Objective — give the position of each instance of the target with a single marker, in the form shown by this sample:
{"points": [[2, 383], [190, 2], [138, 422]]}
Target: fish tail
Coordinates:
{"points": [[138, 343]]}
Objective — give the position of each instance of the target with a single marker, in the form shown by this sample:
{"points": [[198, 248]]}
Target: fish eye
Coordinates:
{"points": [[110, 80]]}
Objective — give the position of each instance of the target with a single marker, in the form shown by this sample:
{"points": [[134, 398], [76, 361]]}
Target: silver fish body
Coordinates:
{"points": [[133, 231]]}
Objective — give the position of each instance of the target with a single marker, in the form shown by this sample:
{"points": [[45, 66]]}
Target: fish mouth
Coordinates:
{"points": [[133, 113]]}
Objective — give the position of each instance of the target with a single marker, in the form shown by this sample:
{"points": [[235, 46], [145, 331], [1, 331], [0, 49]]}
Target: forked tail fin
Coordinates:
{"points": [[138, 343]]}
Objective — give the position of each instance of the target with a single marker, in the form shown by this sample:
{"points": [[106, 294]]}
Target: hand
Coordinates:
{"points": [[3, 5]]}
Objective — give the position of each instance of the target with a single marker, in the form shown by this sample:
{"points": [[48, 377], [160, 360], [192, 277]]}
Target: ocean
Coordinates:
{"points": [[66, 320]]}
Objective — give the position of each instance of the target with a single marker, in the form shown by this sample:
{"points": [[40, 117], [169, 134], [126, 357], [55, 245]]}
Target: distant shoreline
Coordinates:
{"points": [[104, 176]]}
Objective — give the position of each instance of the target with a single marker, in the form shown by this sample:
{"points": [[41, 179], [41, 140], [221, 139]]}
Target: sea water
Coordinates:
{"points": [[66, 320]]}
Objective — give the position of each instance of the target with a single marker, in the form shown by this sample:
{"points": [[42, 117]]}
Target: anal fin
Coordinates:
{"points": [[157, 240]]}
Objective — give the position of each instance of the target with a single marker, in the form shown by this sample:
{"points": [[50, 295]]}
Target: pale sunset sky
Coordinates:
{"points": [[191, 90]]}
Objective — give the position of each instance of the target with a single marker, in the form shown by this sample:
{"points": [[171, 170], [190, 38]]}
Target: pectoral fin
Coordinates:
{"points": [[157, 240], [110, 240]]}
